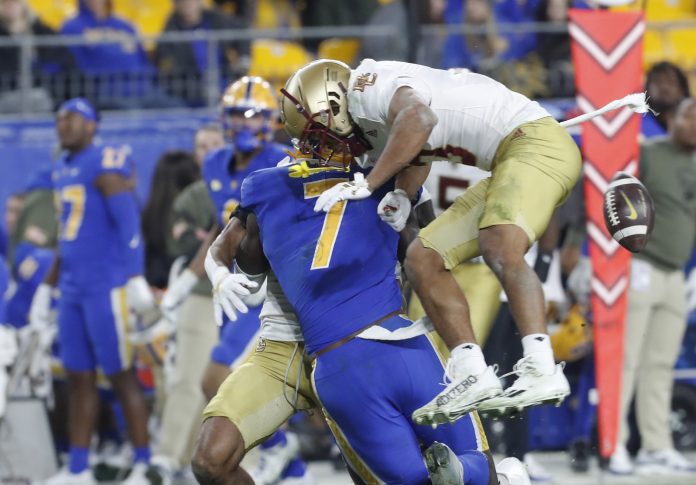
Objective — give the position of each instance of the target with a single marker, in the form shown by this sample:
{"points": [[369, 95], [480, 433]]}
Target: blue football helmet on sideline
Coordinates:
{"points": [[248, 108]]}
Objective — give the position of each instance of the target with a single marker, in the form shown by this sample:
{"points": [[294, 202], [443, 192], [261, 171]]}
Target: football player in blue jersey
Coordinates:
{"points": [[99, 275], [373, 366]]}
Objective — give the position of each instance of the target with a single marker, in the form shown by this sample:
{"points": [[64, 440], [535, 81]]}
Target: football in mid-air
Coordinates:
{"points": [[629, 213]]}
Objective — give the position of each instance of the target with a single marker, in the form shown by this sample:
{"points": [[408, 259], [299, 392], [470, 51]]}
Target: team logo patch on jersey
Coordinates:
{"points": [[261, 346], [518, 133], [234, 184], [215, 185], [372, 133], [364, 80]]}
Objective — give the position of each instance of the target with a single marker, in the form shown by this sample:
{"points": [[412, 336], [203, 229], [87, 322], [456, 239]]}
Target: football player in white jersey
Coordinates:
{"points": [[397, 117]]}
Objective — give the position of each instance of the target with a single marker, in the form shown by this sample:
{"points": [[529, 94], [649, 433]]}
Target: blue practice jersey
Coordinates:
{"points": [[92, 253], [29, 268], [336, 268], [224, 182]]}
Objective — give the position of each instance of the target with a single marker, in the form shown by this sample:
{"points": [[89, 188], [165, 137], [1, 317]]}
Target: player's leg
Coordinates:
{"points": [[444, 244], [365, 388], [106, 313], [237, 340], [79, 361], [535, 169], [249, 407]]}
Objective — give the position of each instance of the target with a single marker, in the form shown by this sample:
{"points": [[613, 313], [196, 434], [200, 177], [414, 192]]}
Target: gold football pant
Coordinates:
{"points": [[534, 170], [256, 396]]}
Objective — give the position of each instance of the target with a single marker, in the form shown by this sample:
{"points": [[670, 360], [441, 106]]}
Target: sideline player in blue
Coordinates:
{"points": [[373, 366], [248, 110], [99, 275]]}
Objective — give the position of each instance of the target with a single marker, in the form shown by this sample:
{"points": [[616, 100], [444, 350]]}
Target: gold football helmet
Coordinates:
{"points": [[314, 111], [247, 98]]}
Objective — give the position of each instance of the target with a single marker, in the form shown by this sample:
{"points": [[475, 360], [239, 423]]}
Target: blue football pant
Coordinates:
{"points": [[369, 389]]}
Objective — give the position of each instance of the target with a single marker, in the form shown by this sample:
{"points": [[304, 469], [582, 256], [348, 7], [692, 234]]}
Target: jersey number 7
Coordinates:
{"points": [[332, 222], [75, 196]]}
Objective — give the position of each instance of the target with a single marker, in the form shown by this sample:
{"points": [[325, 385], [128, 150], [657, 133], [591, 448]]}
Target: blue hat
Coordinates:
{"points": [[80, 106]]}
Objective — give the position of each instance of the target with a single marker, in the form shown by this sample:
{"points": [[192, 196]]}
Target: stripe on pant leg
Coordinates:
{"points": [[351, 456], [119, 308]]}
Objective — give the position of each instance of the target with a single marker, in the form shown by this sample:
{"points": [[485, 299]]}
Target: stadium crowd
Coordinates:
{"points": [[137, 420]]}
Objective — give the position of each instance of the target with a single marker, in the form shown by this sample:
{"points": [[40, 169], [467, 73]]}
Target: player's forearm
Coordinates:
{"points": [[409, 132], [224, 248], [412, 178]]}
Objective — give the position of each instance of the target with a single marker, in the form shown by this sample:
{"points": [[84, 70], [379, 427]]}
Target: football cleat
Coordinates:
{"points": [[138, 475], [514, 471], [274, 460], [663, 462], [620, 461], [443, 465], [531, 388], [460, 397], [64, 477]]}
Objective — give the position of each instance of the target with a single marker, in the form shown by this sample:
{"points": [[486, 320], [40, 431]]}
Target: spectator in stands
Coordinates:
{"points": [[207, 139], [553, 49], [244, 9], [193, 218], [319, 13], [657, 308], [391, 13], [17, 19], [186, 63], [476, 51], [667, 86], [174, 171], [117, 70]]}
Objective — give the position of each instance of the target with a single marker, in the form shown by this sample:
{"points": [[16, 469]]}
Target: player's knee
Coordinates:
{"points": [[218, 452], [503, 251], [421, 262]]}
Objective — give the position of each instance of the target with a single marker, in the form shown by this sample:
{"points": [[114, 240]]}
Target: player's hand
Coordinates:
{"points": [[228, 290], [394, 209], [355, 190], [139, 295], [179, 289]]}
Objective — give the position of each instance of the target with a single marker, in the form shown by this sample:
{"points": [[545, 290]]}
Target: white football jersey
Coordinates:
{"points": [[474, 112], [448, 180], [278, 319]]}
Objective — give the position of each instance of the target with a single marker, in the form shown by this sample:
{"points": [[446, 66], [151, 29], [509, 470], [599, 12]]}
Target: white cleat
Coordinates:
{"points": [[620, 462], [535, 470], [443, 465], [64, 477], [273, 460], [512, 470], [663, 462], [531, 388], [461, 396], [138, 475]]}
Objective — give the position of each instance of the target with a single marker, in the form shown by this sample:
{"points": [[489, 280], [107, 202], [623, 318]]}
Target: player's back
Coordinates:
{"points": [[224, 179], [336, 268], [91, 250], [474, 111]]}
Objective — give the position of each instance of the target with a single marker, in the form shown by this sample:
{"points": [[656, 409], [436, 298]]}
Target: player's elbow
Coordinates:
{"points": [[423, 117]]}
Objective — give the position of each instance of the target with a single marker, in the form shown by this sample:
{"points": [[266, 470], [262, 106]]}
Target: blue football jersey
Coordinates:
{"points": [[336, 268], [224, 181], [92, 254]]}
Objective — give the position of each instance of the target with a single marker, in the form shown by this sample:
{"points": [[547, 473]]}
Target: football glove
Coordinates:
{"points": [[139, 295], [355, 190], [394, 209], [228, 290]]}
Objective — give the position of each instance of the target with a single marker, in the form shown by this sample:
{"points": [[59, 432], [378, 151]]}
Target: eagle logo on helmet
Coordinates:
{"points": [[248, 107], [314, 112]]}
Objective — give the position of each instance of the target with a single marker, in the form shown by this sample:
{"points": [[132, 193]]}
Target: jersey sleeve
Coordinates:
{"points": [[250, 192], [116, 159], [373, 86]]}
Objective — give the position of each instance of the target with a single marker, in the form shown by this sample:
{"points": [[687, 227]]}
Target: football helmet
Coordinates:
{"points": [[314, 111], [243, 100]]}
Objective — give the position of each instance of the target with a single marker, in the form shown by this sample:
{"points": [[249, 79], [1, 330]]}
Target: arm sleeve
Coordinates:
{"points": [[125, 213]]}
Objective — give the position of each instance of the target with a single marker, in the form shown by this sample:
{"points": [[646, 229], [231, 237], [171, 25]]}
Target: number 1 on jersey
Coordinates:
{"points": [[332, 222]]}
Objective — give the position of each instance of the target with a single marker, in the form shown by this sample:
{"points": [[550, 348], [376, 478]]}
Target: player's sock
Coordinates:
{"points": [[476, 468], [141, 454], [277, 438], [468, 360], [539, 345], [296, 468], [79, 459]]}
